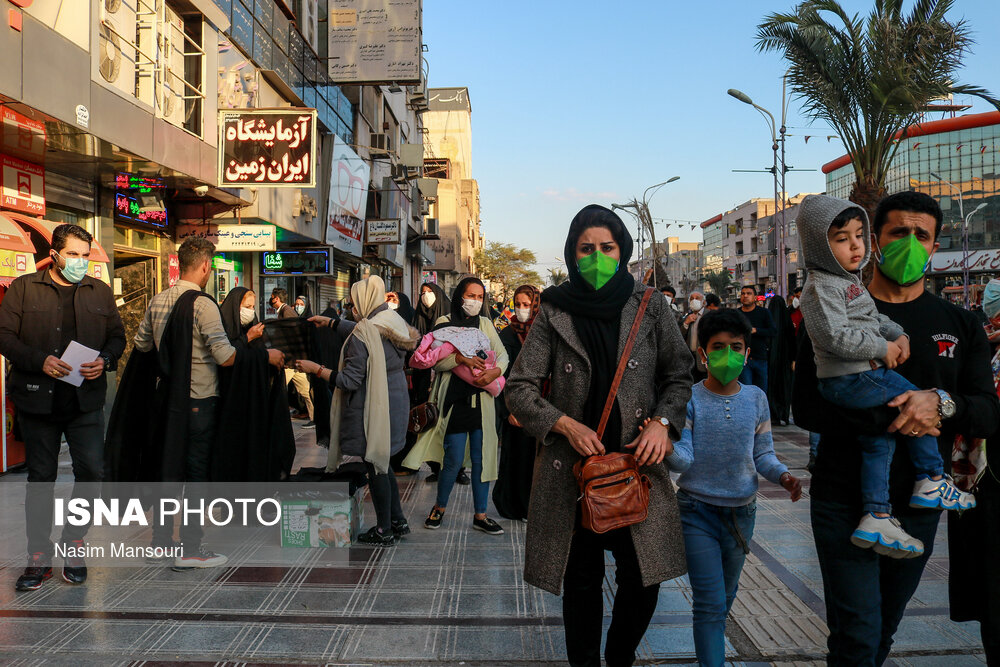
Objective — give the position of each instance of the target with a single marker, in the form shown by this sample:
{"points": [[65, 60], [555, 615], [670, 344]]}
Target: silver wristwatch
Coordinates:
{"points": [[947, 407], [663, 421]]}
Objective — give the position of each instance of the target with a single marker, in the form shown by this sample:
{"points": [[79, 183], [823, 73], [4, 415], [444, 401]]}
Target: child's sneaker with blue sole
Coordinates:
{"points": [[885, 536], [940, 494]]}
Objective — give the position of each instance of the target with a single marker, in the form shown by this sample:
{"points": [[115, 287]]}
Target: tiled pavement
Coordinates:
{"points": [[452, 596]]}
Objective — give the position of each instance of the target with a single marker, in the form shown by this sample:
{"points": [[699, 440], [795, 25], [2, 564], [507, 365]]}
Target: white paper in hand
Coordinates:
{"points": [[75, 355]]}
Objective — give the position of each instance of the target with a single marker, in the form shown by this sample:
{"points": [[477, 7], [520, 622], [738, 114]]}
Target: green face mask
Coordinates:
{"points": [[904, 261], [597, 269], [725, 365]]}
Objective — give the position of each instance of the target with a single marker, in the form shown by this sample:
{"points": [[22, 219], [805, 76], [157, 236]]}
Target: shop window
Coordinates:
{"points": [[145, 241]]}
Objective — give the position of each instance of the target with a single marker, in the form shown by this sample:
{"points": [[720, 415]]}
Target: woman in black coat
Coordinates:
{"points": [[779, 378], [517, 448]]}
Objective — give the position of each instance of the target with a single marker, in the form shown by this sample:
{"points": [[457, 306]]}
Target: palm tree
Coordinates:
{"points": [[870, 79], [557, 276], [719, 282]]}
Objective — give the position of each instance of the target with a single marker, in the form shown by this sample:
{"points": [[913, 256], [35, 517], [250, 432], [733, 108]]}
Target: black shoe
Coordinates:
{"points": [[34, 575], [309, 425], [488, 526], [812, 464], [463, 478], [433, 477], [400, 528], [323, 442], [199, 559], [75, 575], [433, 520], [377, 538]]}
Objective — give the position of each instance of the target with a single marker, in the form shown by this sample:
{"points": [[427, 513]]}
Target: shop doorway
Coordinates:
{"points": [[135, 275]]}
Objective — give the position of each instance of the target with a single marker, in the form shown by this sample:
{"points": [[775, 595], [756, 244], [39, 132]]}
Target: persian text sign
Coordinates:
{"points": [[22, 135], [374, 41], [267, 147], [976, 260], [383, 231], [233, 238], [22, 186], [14, 264]]}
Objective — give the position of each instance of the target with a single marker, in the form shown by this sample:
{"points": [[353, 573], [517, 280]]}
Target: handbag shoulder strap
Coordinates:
{"points": [[609, 404]]}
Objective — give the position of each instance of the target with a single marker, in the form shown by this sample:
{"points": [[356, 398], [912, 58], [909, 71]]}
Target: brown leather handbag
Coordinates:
{"points": [[422, 417], [613, 494]]}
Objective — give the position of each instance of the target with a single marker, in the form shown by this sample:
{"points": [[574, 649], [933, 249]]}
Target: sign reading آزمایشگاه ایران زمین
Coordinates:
{"points": [[303, 262], [267, 148]]}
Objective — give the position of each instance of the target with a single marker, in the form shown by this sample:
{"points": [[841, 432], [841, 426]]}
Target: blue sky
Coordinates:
{"points": [[581, 102]]}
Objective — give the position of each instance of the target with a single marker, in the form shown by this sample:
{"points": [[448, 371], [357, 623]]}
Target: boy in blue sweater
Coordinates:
{"points": [[725, 444]]}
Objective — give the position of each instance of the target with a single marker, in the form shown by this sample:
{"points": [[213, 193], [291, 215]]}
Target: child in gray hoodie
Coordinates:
{"points": [[855, 348]]}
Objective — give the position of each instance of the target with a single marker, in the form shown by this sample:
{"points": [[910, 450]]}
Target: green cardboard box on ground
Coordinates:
{"points": [[331, 521]]}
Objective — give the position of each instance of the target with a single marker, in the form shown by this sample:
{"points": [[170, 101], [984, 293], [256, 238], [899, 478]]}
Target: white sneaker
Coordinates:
{"points": [[886, 537], [940, 494], [201, 558]]}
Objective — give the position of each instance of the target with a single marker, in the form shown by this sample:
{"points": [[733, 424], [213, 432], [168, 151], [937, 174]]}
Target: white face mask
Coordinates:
{"points": [[669, 299], [795, 302], [522, 314], [472, 307], [695, 305], [392, 305], [428, 298], [246, 316], [300, 309]]}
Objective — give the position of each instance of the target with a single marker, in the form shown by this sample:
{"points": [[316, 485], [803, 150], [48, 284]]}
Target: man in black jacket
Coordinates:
{"points": [[40, 315], [762, 331], [865, 593]]}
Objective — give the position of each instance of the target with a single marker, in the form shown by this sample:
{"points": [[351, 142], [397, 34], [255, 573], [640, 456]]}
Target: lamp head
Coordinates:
{"points": [[741, 96]]}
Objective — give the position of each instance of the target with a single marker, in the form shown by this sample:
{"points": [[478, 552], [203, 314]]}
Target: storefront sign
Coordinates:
{"points": [[348, 201], [429, 277], [374, 41], [14, 264], [383, 231], [222, 264], [139, 201], [99, 270], [267, 148], [233, 238], [305, 262], [22, 186], [22, 135], [977, 260]]}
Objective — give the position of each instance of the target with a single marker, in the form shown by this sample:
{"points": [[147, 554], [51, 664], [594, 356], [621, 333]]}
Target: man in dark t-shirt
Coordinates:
{"points": [[865, 593], [762, 331]]}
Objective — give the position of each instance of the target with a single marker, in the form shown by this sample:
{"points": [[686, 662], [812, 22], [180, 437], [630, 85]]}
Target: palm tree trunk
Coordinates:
{"points": [[867, 194]]}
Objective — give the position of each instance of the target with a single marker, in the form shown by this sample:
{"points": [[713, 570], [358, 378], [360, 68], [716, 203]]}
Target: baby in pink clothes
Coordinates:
{"points": [[445, 341]]}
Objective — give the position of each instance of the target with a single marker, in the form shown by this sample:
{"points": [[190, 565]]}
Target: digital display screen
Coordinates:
{"points": [[139, 201], [296, 262]]}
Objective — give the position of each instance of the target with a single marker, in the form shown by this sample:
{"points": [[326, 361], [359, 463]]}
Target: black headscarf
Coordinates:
{"points": [[426, 317], [458, 316], [231, 314], [307, 313], [405, 309], [597, 314]]}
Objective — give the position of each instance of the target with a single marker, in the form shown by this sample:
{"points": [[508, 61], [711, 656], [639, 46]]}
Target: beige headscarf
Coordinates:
{"points": [[367, 295]]}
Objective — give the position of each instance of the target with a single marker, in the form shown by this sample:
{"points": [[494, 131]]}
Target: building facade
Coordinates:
{"points": [[956, 161], [448, 161], [111, 119]]}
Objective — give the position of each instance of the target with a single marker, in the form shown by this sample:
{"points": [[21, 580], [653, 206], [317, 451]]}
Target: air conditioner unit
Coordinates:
{"points": [[170, 65], [116, 45], [432, 229], [379, 144], [425, 207], [398, 173]]}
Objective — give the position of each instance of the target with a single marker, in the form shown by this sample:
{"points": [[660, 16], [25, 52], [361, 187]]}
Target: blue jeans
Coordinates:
{"points": [[716, 542], [454, 457], [871, 389], [755, 373], [813, 444], [865, 594]]}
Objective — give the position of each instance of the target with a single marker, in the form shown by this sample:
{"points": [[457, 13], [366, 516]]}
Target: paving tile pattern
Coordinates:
{"points": [[441, 597]]}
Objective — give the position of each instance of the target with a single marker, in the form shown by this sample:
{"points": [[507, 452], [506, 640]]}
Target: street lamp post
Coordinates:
{"points": [[777, 140], [640, 209]]}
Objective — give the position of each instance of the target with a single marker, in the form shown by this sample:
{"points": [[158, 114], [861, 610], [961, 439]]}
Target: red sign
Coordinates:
{"points": [[173, 270], [22, 185], [23, 136]]}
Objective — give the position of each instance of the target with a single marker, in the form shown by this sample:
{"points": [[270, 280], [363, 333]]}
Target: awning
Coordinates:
{"points": [[13, 237], [45, 228]]}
